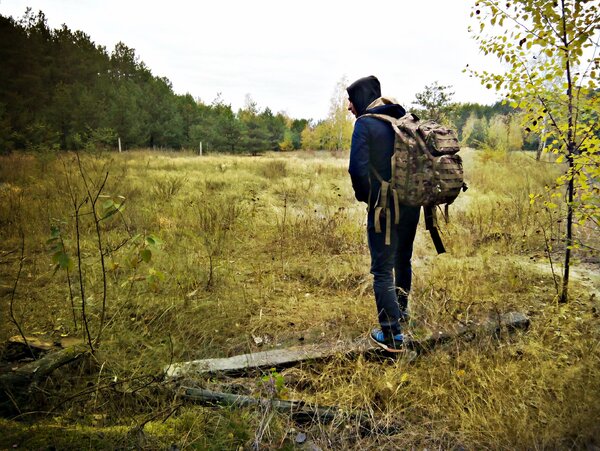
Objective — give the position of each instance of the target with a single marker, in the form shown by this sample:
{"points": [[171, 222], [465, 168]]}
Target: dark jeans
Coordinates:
{"points": [[391, 267]]}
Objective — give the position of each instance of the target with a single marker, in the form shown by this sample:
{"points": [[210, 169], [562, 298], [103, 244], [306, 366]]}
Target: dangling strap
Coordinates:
{"points": [[431, 225], [392, 190], [382, 204], [388, 227], [396, 206]]}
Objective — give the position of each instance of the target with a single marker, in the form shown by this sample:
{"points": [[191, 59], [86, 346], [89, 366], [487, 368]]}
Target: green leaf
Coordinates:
{"points": [[62, 259], [153, 240], [66, 262], [146, 255], [110, 208], [54, 232], [156, 275]]}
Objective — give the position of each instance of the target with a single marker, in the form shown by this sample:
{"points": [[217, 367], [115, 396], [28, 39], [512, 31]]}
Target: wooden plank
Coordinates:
{"points": [[274, 358], [281, 358]]}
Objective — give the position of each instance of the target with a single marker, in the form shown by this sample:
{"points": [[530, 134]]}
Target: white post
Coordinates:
{"points": [[200, 149], [119, 144]]}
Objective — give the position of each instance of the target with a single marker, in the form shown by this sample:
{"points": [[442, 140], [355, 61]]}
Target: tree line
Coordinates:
{"points": [[60, 90]]}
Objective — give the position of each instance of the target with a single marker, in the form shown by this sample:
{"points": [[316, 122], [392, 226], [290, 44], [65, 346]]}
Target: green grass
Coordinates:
{"points": [[275, 247]]}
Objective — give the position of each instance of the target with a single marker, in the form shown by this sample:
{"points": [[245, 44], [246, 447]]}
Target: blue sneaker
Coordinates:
{"points": [[389, 343]]}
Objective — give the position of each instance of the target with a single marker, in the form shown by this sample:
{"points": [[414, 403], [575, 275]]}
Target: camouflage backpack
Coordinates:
{"points": [[426, 171]]}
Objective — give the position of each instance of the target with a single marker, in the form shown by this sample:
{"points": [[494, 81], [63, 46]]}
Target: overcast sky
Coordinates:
{"points": [[286, 55]]}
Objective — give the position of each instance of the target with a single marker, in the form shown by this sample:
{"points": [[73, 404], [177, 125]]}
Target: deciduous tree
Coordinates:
{"points": [[340, 120], [540, 41]]}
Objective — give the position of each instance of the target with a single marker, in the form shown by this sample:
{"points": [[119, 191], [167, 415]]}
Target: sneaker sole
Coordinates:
{"points": [[385, 347]]}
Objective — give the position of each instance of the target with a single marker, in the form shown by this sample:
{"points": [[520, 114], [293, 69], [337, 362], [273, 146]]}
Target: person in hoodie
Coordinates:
{"points": [[370, 162]]}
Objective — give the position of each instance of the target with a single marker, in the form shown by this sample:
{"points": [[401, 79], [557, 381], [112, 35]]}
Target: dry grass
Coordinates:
{"points": [[274, 247]]}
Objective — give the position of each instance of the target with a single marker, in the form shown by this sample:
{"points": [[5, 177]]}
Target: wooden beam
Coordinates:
{"points": [[281, 358]]}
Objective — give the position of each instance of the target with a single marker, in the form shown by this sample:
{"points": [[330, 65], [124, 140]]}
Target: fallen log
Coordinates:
{"points": [[298, 410], [15, 386], [510, 322], [282, 358]]}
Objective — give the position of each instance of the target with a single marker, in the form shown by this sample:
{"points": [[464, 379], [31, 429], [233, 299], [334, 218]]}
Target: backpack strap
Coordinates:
{"points": [[431, 225], [384, 117], [383, 204]]}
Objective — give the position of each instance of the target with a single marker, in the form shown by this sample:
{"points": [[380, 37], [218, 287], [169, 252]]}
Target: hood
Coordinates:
{"points": [[387, 106], [364, 91]]}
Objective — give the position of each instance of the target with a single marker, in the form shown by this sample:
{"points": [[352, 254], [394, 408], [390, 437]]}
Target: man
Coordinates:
{"points": [[370, 163]]}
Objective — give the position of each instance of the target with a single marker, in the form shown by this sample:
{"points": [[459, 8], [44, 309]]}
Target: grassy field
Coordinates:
{"points": [[220, 255]]}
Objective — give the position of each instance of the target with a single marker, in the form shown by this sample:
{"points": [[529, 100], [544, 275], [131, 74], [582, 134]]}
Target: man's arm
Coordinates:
{"points": [[359, 161]]}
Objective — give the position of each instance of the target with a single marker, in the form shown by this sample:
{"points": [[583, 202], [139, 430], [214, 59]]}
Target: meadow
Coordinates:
{"points": [[221, 255]]}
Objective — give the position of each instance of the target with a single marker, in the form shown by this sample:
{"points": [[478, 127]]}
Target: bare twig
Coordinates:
{"points": [[97, 220], [71, 296], [99, 388], [81, 281], [14, 291], [166, 412]]}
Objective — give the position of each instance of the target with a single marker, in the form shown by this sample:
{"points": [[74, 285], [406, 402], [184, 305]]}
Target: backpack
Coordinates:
{"points": [[426, 171]]}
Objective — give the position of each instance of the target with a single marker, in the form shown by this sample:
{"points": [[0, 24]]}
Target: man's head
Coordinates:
{"points": [[361, 93]]}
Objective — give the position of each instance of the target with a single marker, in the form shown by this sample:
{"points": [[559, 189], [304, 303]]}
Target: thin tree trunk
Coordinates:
{"points": [[542, 144], [564, 295]]}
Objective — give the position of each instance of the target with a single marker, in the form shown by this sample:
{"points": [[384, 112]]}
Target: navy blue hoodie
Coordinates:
{"points": [[372, 139]]}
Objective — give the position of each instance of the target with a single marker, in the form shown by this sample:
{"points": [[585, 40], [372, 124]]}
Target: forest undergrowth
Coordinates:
{"points": [[153, 258]]}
